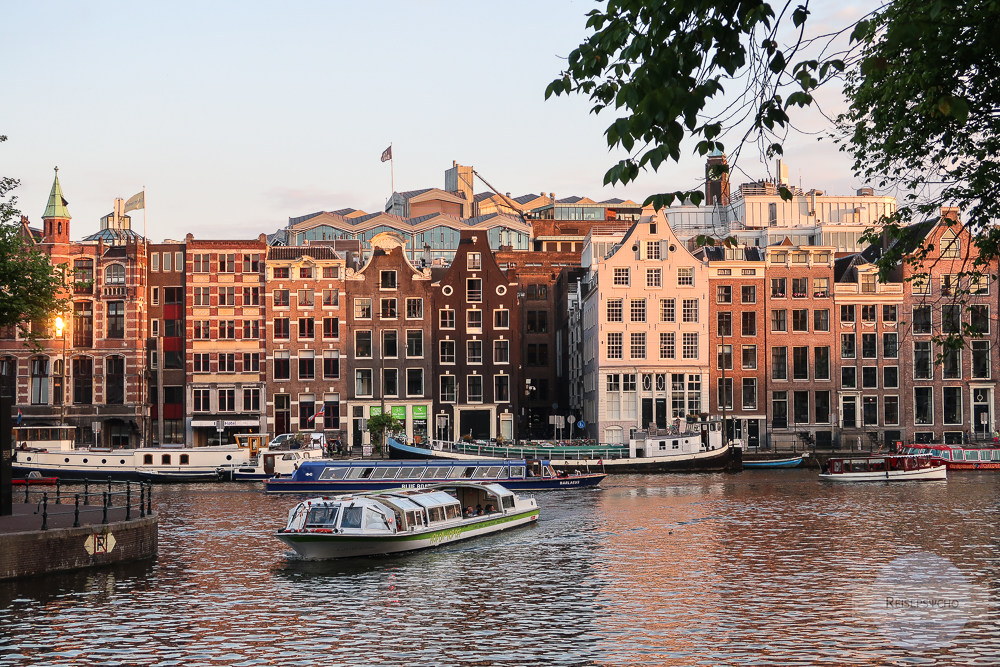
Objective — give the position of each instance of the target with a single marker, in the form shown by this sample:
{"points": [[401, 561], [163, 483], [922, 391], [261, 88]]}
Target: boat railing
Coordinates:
{"points": [[134, 497], [555, 450]]}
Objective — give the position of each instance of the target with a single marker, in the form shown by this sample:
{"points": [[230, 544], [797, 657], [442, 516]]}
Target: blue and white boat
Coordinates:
{"points": [[788, 462], [398, 520], [331, 476]]}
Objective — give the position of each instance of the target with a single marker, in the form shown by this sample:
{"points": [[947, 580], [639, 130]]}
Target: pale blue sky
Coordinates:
{"points": [[235, 116]]}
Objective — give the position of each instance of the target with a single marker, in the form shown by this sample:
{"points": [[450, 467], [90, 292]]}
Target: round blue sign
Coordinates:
{"points": [[581, 424]]}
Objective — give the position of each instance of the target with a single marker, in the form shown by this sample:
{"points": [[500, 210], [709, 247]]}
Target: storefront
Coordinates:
{"points": [[206, 431]]}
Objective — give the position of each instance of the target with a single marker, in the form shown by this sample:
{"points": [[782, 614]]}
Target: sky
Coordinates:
{"points": [[236, 116]]}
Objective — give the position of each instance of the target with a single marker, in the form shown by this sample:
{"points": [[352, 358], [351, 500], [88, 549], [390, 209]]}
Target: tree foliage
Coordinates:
{"points": [[379, 425], [30, 285]]}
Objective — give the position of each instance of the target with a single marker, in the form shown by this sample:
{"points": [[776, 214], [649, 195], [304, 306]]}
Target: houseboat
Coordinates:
{"points": [[326, 476], [281, 457], [698, 448], [958, 457], [884, 468], [399, 520]]}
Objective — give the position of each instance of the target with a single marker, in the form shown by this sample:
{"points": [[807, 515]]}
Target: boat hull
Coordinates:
{"points": [[328, 546], [716, 460], [792, 462], [324, 487], [936, 472], [121, 474]]}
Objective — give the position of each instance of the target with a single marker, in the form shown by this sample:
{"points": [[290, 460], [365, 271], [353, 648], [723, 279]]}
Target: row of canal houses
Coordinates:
{"points": [[620, 323]]}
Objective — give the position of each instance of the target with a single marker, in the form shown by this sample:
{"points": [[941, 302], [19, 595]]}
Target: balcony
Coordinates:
{"points": [[118, 292]]}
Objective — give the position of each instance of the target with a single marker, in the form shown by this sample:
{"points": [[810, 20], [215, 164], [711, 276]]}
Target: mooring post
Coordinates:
{"points": [[105, 518], [149, 497], [58, 489], [142, 500], [86, 491], [128, 500], [76, 512], [45, 511]]}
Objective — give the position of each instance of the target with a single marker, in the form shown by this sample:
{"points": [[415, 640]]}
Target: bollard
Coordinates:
{"points": [[109, 485], [128, 500], [58, 490], [76, 512], [26, 485], [45, 511], [86, 491], [104, 519], [149, 498], [142, 504]]}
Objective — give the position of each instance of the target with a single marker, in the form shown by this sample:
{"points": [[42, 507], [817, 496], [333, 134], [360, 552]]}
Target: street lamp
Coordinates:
{"points": [[61, 332]]}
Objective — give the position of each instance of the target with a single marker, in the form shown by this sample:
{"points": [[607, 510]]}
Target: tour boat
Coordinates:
{"points": [[884, 468], [698, 448], [326, 476], [958, 457], [787, 462], [398, 520]]}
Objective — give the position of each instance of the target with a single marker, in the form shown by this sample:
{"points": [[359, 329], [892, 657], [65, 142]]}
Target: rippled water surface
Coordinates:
{"points": [[758, 568]]}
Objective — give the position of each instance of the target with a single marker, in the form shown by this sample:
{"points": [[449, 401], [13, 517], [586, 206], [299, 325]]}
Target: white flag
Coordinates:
{"points": [[135, 201]]}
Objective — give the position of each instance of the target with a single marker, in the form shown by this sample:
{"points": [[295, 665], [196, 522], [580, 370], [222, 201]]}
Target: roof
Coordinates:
{"points": [[718, 253], [114, 236], [295, 252], [56, 208]]}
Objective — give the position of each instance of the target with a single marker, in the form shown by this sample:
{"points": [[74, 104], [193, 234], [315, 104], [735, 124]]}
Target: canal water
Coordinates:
{"points": [[755, 568]]}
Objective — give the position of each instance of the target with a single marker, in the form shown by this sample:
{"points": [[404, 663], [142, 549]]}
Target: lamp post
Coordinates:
{"points": [[61, 332]]}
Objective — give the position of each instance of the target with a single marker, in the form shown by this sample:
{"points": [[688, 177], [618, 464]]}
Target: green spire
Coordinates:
{"points": [[56, 207]]}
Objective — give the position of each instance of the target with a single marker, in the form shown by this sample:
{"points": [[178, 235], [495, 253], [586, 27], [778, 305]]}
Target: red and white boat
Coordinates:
{"points": [[959, 457], [884, 468]]}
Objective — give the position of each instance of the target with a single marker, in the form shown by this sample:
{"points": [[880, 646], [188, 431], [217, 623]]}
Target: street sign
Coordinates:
{"points": [[220, 425], [569, 419], [581, 424]]}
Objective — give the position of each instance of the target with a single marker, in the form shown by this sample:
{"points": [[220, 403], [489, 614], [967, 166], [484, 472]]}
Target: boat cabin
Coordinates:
{"points": [[45, 437], [252, 441], [879, 463]]}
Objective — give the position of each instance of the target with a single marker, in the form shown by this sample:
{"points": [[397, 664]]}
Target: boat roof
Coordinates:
{"points": [[407, 463], [428, 496]]}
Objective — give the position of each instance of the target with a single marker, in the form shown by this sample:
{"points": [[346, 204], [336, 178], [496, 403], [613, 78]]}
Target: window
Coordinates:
{"points": [[501, 351], [800, 407], [501, 319], [447, 351], [474, 350], [39, 380], [952, 405], [890, 377], [667, 311], [685, 275], [475, 388], [331, 364], [950, 246], [306, 298], [251, 263], [227, 329], [387, 280], [725, 386], [689, 311], [981, 359], [869, 410], [923, 405], [202, 263], [821, 288], [114, 275], [848, 377], [202, 399], [637, 348], [448, 389], [474, 290], [920, 284], [114, 380], [83, 324], [921, 319], [951, 364], [748, 294], [654, 277], [474, 261], [415, 382], [156, 296], [538, 292], [724, 294], [307, 411], [116, 319], [749, 323], [251, 362], [951, 318], [251, 399], [821, 320], [652, 247], [363, 308], [414, 308], [772, 215], [621, 277], [779, 321], [281, 298], [848, 346], [202, 296], [890, 345], [724, 320], [227, 362], [949, 285], [388, 309], [537, 354], [800, 288], [777, 288], [363, 385], [637, 311], [779, 409], [331, 272], [415, 343], [446, 317], [979, 319], [800, 320], [724, 357], [251, 329], [891, 408], [847, 313], [331, 327], [538, 321], [868, 313], [923, 367], [83, 381], [869, 346], [282, 365], [227, 296], [307, 365], [363, 344], [282, 330], [667, 345], [822, 404], [868, 283], [889, 313], [331, 298], [615, 345], [501, 388], [822, 357], [800, 363], [779, 363], [203, 330], [869, 377], [305, 272], [474, 320], [689, 346]]}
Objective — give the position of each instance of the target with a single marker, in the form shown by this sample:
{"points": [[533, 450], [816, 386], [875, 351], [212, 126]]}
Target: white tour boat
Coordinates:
{"points": [[397, 520], [884, 468]]}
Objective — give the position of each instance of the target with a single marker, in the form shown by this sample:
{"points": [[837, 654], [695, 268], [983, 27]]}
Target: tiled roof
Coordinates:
{"points": [[413, 193]]}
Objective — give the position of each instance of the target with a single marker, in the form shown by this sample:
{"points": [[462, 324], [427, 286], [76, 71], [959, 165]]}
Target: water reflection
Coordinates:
{"points": [[664, 570]]}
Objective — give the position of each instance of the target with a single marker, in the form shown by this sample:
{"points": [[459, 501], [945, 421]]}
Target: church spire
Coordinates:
{"points": [[56, 218]]}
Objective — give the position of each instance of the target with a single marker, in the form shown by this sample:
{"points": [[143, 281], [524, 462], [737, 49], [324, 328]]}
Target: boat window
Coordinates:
{"points": [[352, 517], [490, 472], [453, 511], [333, 473], [360, 473], [185, 459], [322, 516], [971, 455], [375, 520], [165, 459], [456, 472], [516, 472], [507, 502], [288, 457], [389, 473], [436, 472], [147, 459], [435, 514], [663, 445], [996, 454], [409, 473]]}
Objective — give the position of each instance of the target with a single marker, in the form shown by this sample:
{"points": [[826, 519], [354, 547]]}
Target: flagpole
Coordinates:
{"points": [[392, 169]]}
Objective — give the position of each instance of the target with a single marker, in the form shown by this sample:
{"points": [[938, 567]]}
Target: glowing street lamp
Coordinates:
{"points": [[61, 332]]}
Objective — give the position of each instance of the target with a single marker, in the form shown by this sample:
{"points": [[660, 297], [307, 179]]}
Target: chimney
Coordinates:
{"points": [[950, 213]]}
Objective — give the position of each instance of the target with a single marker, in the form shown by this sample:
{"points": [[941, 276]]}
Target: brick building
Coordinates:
{"points": [[167, 342]]}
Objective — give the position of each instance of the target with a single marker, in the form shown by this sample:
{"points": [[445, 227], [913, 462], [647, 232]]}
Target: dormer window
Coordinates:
{"points": [[387, 280]]}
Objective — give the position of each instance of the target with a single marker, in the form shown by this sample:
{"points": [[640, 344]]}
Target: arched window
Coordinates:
{"points": [[951, 247], [114, 275], [613, 435], [114, 380]]}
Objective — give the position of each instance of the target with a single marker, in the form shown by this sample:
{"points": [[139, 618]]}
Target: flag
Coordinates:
{"points": [[20, 417], [319, 413], [600, 461], [387, 154], [136, 201]]}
